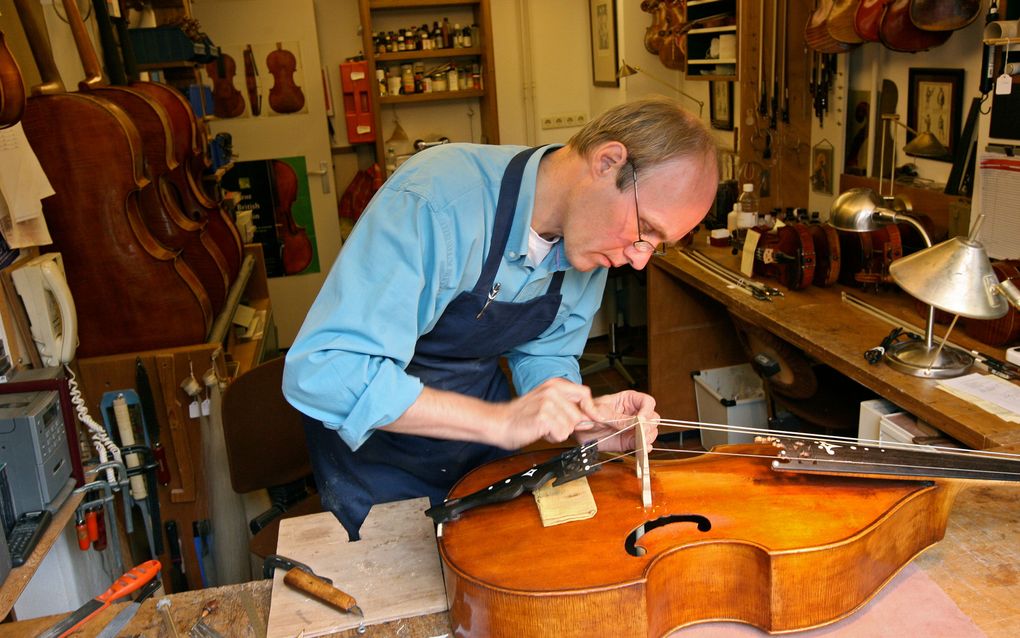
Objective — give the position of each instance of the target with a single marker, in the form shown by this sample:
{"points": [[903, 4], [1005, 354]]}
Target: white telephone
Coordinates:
{"points": [[47, 299]]}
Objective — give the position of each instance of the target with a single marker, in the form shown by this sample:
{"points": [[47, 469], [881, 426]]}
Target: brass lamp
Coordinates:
{"points": [[627, 70], [954, 276], [923, 145]]}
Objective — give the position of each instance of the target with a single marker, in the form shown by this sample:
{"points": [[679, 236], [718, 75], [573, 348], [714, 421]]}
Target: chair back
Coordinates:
{"points": [[264, 436]]}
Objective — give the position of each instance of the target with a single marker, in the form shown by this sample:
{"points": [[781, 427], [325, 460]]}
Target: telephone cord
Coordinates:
{"points": [[100, 439]]}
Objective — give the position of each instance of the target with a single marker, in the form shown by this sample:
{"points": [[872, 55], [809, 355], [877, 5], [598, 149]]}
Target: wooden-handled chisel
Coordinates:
{"points": [[315, 586]]}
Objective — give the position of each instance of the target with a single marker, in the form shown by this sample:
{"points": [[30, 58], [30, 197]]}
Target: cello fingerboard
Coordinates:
{"points": [[913, 461]]}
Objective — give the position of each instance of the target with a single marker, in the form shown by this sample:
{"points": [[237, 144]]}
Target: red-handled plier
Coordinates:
{"points": [[126, 584]]}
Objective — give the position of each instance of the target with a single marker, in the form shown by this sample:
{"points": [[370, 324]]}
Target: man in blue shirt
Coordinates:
{"points": [[470, 253]]}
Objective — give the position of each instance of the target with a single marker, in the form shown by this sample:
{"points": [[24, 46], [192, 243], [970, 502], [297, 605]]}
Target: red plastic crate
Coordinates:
{"points": [[357, 95]]}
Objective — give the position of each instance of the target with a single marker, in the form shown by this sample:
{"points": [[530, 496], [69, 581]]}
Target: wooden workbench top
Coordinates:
{"points": [[820, 323]]}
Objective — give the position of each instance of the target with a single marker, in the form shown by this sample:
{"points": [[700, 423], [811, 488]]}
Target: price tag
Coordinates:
{"points": [[194, 411], [747, 257], [1004, 84]]}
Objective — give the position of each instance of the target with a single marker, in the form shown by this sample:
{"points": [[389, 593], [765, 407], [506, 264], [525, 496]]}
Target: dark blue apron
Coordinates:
{"points": [[460, 354]]}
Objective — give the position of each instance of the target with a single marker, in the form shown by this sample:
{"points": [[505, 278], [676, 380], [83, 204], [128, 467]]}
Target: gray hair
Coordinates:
{"points": [[654, 130]]}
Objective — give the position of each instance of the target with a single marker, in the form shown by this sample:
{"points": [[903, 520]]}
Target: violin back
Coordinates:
{"points": [[944, 15], [297, 246], [868, 19], [898, 33], [1005, 330], [655, 32], [12, 89], [840, 22], [227, 100], [826, 243], [285, 96], [816, 31]]}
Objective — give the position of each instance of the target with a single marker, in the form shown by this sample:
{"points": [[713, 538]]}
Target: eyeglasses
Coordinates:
{"points": [[642, 245]]}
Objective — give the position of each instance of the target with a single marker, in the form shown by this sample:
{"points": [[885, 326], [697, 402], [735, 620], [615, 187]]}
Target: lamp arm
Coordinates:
{"points": [[916, 224], [701, 105], [1009, 290]]}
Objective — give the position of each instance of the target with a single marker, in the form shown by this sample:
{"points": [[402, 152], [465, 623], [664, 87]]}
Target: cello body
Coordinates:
{"points": [[816, 31], [12, 90], [778, 551], [898, 33], [92, 154], [840, 21], [285, 96], [868, 19], [656, 31], [944, 15]]}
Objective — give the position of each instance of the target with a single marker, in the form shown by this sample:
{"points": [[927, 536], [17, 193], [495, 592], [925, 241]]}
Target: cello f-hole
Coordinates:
{"points": [[634, 549]]}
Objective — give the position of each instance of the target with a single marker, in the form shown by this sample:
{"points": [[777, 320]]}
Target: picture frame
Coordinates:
{"points": [[720, 104], [604, 64], [822, 167], [935, 103]]}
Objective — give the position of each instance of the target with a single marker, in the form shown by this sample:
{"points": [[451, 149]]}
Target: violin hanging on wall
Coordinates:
{"points": [[227, 100], [285, 96], [297, 246]]}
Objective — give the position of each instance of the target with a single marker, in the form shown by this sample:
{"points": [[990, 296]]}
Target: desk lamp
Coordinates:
{"points": [[954, 276], [923, 145], [861, 210], [627, 70]]}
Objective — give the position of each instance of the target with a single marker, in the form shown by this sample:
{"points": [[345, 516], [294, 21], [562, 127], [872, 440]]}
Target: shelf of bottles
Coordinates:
{"points": [[423, 63]]}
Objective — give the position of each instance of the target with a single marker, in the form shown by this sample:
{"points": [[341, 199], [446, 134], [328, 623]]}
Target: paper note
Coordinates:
{"points": [[989, 392]]}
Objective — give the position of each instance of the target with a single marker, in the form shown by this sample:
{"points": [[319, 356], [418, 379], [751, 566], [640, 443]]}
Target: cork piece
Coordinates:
{"points": [[572, 501]]}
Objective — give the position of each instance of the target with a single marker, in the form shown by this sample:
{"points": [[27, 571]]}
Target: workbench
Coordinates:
{"points": [[689, 329], [977, 565]]}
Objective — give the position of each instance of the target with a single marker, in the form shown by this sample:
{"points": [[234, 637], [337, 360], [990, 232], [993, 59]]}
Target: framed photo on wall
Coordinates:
{"points": [[603, 42], [720, 104], [935, 103]]}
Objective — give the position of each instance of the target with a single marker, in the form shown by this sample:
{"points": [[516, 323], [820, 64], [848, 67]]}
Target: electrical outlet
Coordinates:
{"points": [[564, 120]]}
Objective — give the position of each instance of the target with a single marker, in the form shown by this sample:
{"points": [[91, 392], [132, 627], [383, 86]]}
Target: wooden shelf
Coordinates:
{"points": [[432, 53], [18, 579], [416, 4], [440, 96], [732, 28]]}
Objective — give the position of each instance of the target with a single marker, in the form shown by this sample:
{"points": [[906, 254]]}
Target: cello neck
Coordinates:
{"points": [[893, 459], [39, 42], [87, 53]]}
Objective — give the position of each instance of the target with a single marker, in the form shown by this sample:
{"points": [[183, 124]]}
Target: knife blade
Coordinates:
{"points": [[131, 581], [125, 615]]}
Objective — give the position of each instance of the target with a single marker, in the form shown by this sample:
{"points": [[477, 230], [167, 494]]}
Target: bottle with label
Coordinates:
{"points": [[748, 207], [391, 160]]}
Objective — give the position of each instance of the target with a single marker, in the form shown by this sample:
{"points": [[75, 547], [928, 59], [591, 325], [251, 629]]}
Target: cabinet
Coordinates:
{"points": [[704, 63], [390, 15]]}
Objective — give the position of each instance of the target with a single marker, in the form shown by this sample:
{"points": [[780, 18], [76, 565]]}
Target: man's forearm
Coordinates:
{"points": [[449, 415]]}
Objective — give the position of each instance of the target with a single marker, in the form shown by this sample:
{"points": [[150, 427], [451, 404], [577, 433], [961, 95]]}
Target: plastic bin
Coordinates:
{"points": [[730, 396]]}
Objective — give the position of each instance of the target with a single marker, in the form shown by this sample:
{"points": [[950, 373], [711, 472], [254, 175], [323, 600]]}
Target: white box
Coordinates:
{"points": [[730, 396], [903, 427], [870, 415]]}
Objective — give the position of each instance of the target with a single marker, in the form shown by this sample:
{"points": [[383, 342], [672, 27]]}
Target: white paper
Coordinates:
{"points": [[989, 388], [23, 185], [1000, 200]]}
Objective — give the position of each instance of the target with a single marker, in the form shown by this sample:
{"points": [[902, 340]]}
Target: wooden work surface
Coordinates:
{"points": [[977, 565], [689, 329]]}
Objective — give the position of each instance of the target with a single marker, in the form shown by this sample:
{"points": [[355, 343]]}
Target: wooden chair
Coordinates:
{"points": [[266, 449]]}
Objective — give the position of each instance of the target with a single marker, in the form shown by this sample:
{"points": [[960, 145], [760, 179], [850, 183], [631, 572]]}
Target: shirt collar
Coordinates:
{"points": [[517, 243]]}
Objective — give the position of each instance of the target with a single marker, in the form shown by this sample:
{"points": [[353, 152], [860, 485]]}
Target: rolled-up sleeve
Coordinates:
{"points": [[346, 366]]}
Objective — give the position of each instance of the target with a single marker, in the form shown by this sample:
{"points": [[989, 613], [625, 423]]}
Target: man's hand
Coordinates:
{"points": [[552, 412], [617, 411]]}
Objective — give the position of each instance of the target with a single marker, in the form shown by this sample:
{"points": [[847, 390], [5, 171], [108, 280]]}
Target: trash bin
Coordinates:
{"points": [[732, 395]]}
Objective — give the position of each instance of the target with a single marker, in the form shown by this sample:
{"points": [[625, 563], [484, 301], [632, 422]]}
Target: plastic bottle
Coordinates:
{"points": [[731, 218], [391, 160], [748, 207]]}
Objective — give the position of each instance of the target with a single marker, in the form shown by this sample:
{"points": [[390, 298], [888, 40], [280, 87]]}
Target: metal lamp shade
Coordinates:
{"points": [[855, 210], [954, 276], [926, 145]]}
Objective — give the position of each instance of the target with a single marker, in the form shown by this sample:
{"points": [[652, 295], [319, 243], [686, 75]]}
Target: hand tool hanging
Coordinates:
{"points": [[136, 472], [151, 421], [786, 64], [988, 55], [178, 577], [763, 103], [90, 523], [774, 103]]}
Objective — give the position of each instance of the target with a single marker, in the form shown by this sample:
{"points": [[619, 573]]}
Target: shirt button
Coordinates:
{"points": [[513, 255]]}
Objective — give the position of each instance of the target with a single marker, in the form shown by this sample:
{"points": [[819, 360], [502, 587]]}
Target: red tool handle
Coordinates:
{"points": [[131, 581], [92, 524], [100, 543], [162, 469], [83, 533]]}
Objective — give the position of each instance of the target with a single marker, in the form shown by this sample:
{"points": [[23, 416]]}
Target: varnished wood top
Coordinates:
{"points": [[817, 321]]}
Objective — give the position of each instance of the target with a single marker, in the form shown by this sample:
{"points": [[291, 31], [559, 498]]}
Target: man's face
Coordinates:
{"points": [[671, 199]]}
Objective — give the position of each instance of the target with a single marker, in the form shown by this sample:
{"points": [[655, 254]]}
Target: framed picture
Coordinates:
{"points": [[603, 42], [821, 167], [935, 103], [720, 104]]}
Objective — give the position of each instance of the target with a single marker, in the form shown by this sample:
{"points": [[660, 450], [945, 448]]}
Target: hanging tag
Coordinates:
{"points": [[206, 407], [747, 257], [1004, 84], [194, 411]]}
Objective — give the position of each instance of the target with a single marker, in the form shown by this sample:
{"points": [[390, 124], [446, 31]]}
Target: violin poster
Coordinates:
{"points": [[275, 192], [257, 79]]}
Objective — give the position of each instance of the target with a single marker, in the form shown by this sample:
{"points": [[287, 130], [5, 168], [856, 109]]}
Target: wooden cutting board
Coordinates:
{"points": [[393, 571]]}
